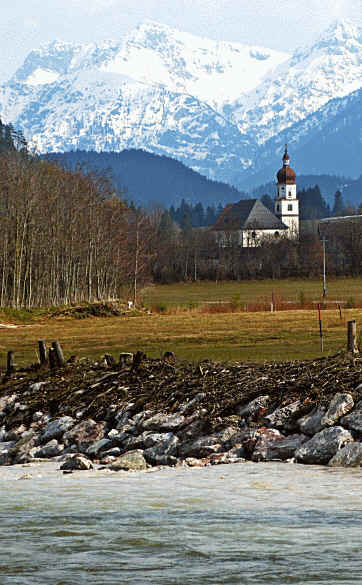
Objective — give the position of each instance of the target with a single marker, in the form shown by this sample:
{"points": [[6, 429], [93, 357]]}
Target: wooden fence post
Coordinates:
{"points": [[43, 358], [10, 363], [52, 358], [352, 337], [58, 353]]}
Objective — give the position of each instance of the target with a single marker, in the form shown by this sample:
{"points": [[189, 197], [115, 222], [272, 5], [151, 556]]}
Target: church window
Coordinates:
{"points": [[290, 207], [276, 234]]}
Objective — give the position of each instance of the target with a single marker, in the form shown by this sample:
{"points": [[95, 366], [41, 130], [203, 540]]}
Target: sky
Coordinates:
{"points": [[277, 24]]}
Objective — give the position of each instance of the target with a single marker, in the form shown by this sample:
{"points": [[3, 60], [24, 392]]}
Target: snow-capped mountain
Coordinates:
{"points": [[157, 55], [221, 108], [325, 142], [329, 68]]}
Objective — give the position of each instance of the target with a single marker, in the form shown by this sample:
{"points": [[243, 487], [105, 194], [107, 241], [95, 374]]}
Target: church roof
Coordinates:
{"points": [[248, 214]]}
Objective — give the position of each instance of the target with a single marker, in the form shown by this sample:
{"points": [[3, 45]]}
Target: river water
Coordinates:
{"points": [[270, 523]]}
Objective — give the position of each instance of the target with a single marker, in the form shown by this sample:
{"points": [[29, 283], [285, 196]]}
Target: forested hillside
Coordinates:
{"points": [[147, 178]]}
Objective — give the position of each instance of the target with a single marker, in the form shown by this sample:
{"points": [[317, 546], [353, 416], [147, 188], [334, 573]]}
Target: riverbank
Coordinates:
{"points": [[143, 413]]}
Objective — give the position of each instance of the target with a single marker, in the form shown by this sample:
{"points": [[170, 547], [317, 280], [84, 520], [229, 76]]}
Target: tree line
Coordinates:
{"points": [[69, 236], [65, 236]]}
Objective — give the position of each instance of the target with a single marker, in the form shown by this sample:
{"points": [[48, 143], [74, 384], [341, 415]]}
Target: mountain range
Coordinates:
{"points": [[223, 109]]}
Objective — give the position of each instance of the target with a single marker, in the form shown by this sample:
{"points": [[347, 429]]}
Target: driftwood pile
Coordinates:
{"points": [[90, 388]]}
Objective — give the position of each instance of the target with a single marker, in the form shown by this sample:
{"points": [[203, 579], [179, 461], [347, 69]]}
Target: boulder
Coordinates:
{"points": [[340, 404], [7, 403], [194, 462], [201, 447], [353, 421], [15, 434], [5, 447], [225, 458], [323, 446], [50, 449], [84, 434], [131, 461], [77, 462], [254, 407], [55, 428], [285, 448], [163, 451], [163, 422], [349, 456], [280, 417], [189, 406], [98, 447], [265, 439], [22, 452], [311, 423], [114, 452]]}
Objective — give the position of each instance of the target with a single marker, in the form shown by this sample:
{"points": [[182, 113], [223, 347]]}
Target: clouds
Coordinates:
{"points": [[95, 6]]}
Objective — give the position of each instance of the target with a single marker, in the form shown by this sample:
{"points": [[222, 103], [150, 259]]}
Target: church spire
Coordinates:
{"points": [[286, 159]]}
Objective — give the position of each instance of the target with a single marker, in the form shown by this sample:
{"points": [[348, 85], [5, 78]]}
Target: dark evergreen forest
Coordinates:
{"points": [[147, 178]]}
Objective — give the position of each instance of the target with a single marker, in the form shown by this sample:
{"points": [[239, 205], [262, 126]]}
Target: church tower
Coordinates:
{"points": [[286, 205]]}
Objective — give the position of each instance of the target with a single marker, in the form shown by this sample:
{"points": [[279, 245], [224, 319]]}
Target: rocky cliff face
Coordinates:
{"points": [[213, 105]]}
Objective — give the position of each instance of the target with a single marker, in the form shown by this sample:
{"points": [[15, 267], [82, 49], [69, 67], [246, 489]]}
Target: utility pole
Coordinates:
{"points": [[324, 267]]}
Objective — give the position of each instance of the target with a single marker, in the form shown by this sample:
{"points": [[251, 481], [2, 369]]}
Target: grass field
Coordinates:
{"points": [[246, 293], [285, 335]]}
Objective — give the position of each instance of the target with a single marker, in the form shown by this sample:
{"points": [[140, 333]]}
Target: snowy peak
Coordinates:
{"points": [[212, 71], [327, 69], [51, 61]]}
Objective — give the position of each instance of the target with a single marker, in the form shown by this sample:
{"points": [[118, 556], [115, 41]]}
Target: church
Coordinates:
{"points": [[248, 222]]}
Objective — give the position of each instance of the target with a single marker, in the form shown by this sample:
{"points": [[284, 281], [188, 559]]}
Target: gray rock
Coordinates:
{"points": [[37, 416], [164, 449], [21, 451], [226, 457], [189, 406], [51, 449], [77, 462], [163, 422], [15, 434], [98, 447], [323, 446], [200, 447], [5, 447], [251, 409], [279, 418], [131, 461], [36, 386], [7, 403], [122, 417], [193, 430], [266, 438], [349, 456], [285, 448], [56, 428], [114, 452], [339, 405], [311, 424], [84, 434], [353, 421]]}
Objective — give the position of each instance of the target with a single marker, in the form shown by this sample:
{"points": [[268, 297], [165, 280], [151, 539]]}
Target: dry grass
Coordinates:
{"points": [[252, 295], [239, 336]]}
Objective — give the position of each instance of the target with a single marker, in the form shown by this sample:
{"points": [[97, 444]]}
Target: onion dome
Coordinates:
{"points": [[286, 175]]}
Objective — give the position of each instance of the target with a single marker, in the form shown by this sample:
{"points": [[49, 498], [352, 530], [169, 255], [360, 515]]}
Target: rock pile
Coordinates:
{"points": [[163, 412]]}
